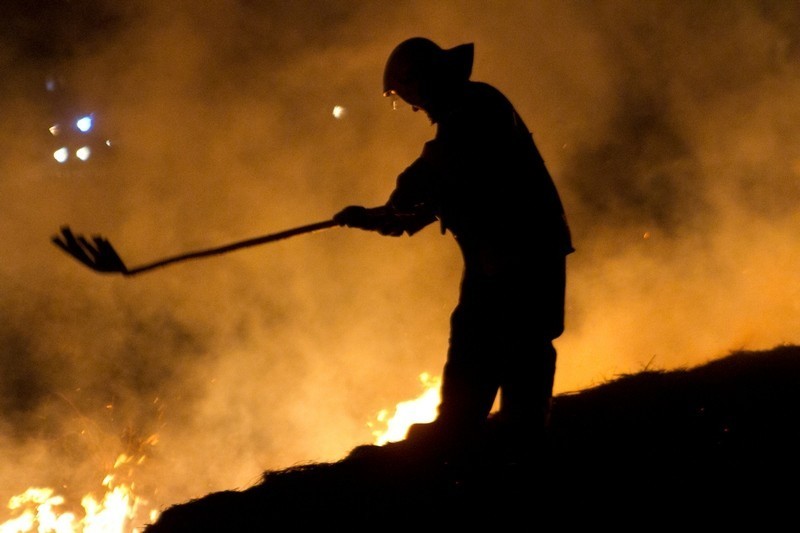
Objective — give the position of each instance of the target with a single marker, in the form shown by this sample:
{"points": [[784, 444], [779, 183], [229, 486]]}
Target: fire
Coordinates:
{"points": [[37, 510], [420, 410], [40, 509]]}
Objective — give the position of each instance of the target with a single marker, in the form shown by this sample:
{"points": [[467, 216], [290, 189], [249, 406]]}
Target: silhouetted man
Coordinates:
{"points": [[483, 179]]}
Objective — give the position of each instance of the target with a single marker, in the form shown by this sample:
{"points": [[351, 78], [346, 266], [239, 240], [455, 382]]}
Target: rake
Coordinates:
{"points": [[98, 254]]}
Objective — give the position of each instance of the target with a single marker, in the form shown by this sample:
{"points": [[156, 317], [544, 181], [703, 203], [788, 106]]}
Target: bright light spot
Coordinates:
{"points": [[108, 142], [421, 410], [61, 155], [84, 123], [646, 235], [339, 111], [83, 153], [55, 129]]}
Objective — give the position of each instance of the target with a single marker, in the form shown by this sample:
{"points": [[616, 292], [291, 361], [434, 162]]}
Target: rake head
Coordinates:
{"points": [[100, 256], [97, 254]]}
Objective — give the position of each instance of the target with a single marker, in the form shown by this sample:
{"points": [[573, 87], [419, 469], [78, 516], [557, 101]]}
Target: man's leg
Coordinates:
{"points": [[529, 357], [469, 384], [526, 389]]}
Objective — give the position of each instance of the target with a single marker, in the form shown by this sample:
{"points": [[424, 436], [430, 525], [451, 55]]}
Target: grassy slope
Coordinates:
{"points": [[715, 444]]}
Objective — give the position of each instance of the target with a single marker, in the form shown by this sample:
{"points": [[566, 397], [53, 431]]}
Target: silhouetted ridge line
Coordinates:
{"points": [[715, 442]]}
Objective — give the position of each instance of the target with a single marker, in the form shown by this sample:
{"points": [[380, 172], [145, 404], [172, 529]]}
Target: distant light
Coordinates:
{"points": [[61, 155], [108, 142], [83, 153], [55, 129], [339, 111], [84, 123], [50, 84]]}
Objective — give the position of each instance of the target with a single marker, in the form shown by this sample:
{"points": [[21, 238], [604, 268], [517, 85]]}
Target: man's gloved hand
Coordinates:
{"points": [[381, 219], [352, 216]]}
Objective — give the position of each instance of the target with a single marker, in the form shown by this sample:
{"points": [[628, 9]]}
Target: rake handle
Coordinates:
{"points": [[309, 228]]}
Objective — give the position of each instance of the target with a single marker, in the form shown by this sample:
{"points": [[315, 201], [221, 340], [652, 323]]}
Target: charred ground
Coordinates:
{"points": [[716, 443]]}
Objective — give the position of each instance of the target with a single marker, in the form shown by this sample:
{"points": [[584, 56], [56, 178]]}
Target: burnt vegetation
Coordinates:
{"points": [[717, 444]]}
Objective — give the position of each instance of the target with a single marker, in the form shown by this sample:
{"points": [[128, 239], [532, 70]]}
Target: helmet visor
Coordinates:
{"points": [[398, 102], [395, 99]]}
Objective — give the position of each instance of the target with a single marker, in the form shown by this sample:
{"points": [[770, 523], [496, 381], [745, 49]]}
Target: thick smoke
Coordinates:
{"points": [[671, 129]]}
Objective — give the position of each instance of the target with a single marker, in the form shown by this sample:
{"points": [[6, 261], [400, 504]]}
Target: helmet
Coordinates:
{"points": [[419, 62]]}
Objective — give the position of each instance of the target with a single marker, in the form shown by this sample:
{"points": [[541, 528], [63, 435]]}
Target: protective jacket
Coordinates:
{"points": [[483, 178]]}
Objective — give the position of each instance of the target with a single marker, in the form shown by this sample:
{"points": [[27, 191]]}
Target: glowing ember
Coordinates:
{"points": [[36, 509], [420, 410]]}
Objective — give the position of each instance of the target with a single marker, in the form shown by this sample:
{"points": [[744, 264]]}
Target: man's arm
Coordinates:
{"points": [[384, 219]]}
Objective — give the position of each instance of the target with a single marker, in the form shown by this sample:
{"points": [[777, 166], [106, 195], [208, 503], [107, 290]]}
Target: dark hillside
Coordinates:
{"points": [[717, 443]]}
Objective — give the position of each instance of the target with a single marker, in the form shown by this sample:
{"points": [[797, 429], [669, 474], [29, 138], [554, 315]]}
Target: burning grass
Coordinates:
{"points": [[715, 443]]}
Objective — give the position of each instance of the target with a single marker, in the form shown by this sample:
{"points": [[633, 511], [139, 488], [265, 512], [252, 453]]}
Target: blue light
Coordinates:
{"points": [[84, 123]]}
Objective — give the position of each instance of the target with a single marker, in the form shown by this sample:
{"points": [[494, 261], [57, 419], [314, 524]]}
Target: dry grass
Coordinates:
{"points": [[716, 445]]}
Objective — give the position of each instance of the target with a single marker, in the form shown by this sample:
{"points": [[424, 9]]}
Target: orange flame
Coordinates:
{"points": [[37, 510], [420, 410]]}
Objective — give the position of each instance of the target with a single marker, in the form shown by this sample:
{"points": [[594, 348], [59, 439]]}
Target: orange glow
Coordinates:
{"points": [[420, 410], [36, 509]]}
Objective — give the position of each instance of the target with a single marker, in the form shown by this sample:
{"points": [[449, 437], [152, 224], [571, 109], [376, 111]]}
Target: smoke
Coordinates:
{"points": [[670, 127]]}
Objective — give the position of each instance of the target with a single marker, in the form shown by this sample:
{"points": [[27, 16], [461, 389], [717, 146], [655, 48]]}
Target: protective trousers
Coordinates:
{"points": [[501, 339]]}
